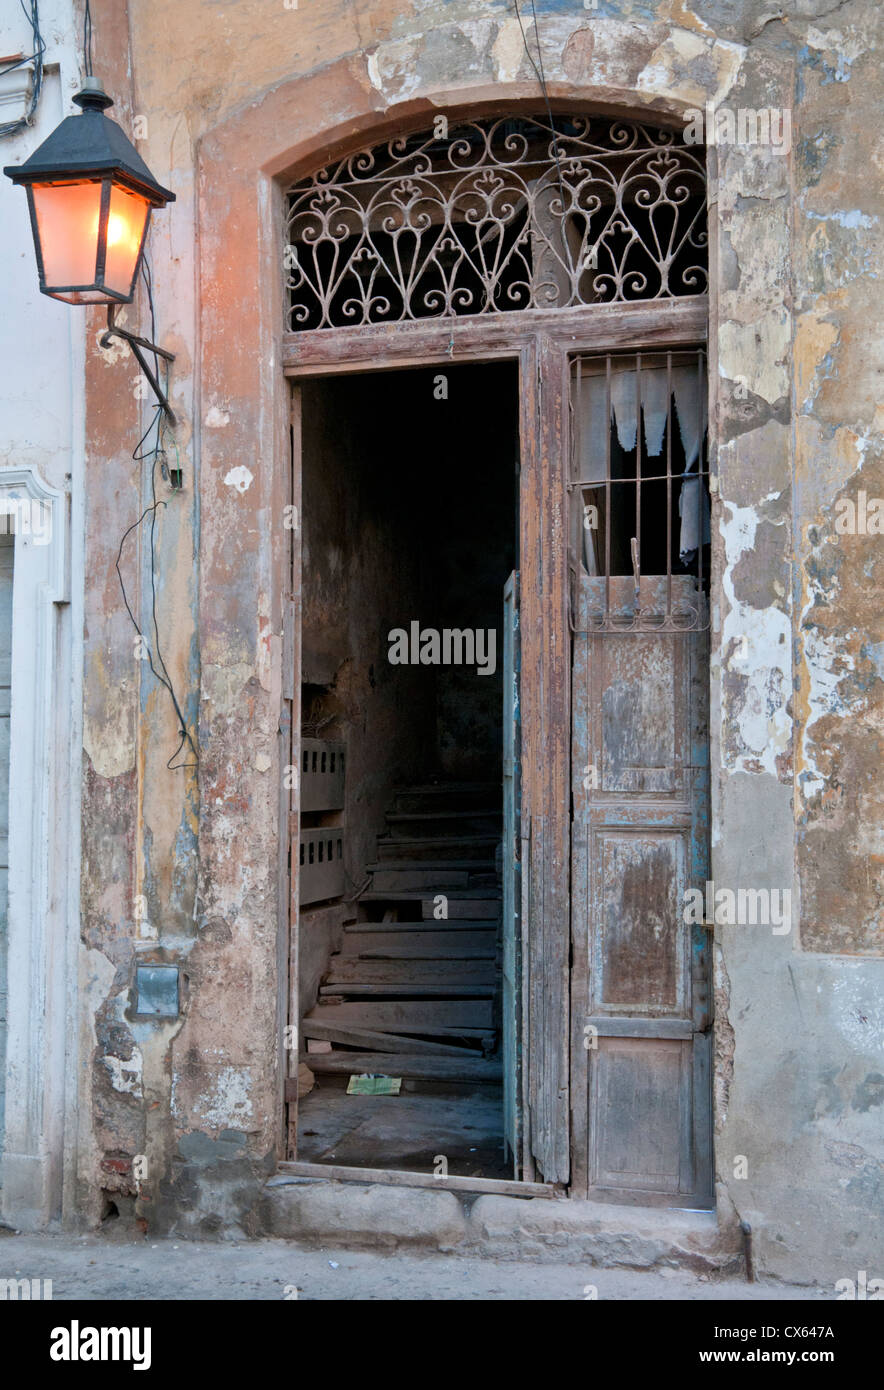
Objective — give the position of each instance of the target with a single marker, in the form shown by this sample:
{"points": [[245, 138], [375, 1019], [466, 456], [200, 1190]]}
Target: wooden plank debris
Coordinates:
{"points": [[403, 1064], [333, 1032]]}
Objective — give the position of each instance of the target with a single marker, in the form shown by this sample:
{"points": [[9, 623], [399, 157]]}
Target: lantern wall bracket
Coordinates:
{"points": [[137, 344]]}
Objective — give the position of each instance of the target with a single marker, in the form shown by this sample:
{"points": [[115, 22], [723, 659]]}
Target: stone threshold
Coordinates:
{"points": [[306, 1203]]}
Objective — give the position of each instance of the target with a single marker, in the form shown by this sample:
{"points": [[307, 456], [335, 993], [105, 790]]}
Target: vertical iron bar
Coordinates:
{"points": [[638, 483], [577, 474], [668, 619], [101, 248], [607, 614], [700, 472]]}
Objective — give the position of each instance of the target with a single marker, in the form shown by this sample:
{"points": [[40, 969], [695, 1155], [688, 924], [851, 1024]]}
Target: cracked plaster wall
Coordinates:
{"points": [[234, 94]]}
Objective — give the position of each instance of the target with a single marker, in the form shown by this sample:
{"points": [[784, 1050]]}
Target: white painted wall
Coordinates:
{"points": [[41, 460], [7, 553]]}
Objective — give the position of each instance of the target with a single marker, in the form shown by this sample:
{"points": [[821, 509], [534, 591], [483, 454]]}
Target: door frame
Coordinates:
{"points": [[542, 341]]}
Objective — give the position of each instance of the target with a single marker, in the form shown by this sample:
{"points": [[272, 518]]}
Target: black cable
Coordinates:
{"points": [[33, 18], [158, 422], [541, 78], [162, 674], [147, 277], [87, 39]]}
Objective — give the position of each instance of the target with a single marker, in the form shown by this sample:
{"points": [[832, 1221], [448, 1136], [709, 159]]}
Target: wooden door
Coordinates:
{"points": [[641, 1036], [511, 985]]}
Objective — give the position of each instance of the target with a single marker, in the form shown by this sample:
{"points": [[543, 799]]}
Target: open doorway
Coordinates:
{"points": [[409, 498]]}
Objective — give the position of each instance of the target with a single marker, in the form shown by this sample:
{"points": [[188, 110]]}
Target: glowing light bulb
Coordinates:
{"points": [[117, 229]]}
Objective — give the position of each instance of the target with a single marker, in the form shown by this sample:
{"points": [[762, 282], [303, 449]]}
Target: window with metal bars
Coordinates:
{"points": [[639, 487]]}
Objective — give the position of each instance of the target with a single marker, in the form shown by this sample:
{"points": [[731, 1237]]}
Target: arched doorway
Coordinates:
{"points": [[561, 268]]}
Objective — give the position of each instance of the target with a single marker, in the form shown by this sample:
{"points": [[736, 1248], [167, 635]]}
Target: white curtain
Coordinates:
{"points": [[689, 390]]}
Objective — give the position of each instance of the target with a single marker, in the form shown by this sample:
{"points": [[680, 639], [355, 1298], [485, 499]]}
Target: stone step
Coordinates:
{"points": [[307, 1202]]}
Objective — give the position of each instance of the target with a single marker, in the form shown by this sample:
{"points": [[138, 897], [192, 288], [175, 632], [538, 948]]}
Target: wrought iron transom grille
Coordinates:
{"points": [[501, 215], [640, 516]]}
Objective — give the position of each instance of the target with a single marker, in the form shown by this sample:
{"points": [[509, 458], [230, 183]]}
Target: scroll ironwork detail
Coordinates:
{"points": [[504, 214]]}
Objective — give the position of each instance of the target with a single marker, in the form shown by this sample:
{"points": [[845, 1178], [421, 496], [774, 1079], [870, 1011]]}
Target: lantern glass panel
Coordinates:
{"points": [[126, 223], [67, 222]]}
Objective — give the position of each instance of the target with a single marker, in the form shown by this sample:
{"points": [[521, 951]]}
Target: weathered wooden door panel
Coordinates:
{"points": [[639, 952], [545, 759], [640, 1070], [641, 1101]]}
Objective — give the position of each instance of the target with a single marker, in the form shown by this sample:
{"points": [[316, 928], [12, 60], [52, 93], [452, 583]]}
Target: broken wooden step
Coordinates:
{"points": [[457, 924], [321, 1030], [481, 821], [483, 903], [402, 1016], [473, 902], [453, 816], [432, 866], [377, 989], [415, 1067], [453, 945], [438, 953], [460, 849], [447, 796], [460, 894], [394, 877], [420, 971]]}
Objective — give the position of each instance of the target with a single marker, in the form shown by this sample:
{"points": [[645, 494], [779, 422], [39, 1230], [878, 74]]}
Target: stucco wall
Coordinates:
{"points": [[233, 96], [41, 462]]}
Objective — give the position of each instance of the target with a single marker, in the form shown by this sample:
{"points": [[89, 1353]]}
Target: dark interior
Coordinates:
{"points": [[409, 504]]}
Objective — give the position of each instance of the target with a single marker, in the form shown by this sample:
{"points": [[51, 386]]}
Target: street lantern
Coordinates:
{"points": [[90, 196]]}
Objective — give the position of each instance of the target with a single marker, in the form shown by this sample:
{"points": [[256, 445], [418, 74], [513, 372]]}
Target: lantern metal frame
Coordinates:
{"points": [[136, 344], [91, 148], [97, 284]]}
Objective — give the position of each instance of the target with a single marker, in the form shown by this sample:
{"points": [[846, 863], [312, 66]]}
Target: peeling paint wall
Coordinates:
{"points": [[41, 456], [235, 95]]}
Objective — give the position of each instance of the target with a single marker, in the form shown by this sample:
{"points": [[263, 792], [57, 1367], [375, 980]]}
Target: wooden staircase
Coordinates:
{"points": [[410, 993]]}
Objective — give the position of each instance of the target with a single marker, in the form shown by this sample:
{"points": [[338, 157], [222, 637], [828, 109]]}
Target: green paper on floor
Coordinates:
{"points": [[366, 1085]]}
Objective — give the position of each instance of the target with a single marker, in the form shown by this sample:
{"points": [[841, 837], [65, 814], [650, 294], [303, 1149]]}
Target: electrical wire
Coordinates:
{"points": [[33, 18], [160, 671], [154, 453], [541, 78]]}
